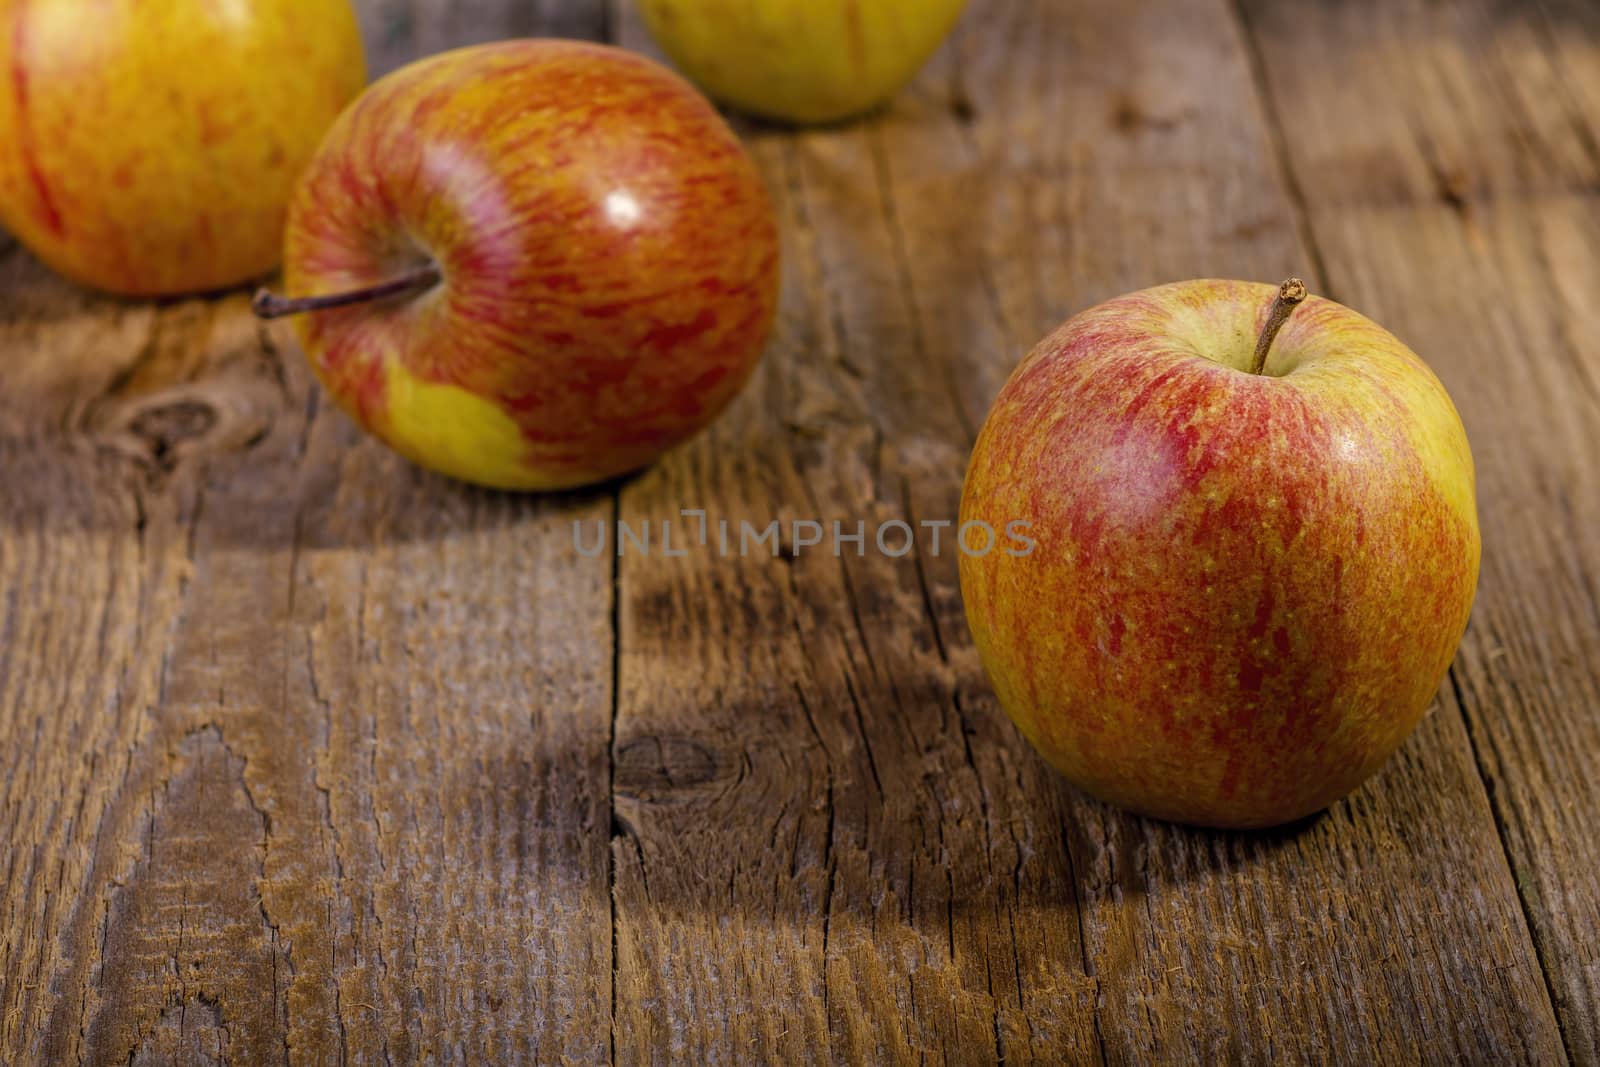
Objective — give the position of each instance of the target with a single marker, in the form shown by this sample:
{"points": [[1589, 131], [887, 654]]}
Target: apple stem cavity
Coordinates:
{"points": [[1290, 295], [269, 305]]}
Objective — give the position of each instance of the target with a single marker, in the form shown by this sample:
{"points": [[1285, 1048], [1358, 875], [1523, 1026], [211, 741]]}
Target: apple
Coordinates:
{"points": [[533, 264], [1256, 545], [150, 148], [801, 60]]}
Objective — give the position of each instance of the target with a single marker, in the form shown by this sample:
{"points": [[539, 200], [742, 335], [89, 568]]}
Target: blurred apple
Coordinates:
{"points": [[1255, 554], [801, 60], [533, 264], [150, 148]]}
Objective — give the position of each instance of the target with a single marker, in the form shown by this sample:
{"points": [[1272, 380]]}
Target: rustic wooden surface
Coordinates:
{"points": [[310, 757]]}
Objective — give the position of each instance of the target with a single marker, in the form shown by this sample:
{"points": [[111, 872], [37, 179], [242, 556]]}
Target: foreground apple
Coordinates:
{"points": [[801, 60], [1248, 583], [150, 148], [532, 264]]}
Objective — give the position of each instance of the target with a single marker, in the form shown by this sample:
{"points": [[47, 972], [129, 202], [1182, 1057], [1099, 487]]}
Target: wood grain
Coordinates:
{"points": [[310, 757], [399, 31]]}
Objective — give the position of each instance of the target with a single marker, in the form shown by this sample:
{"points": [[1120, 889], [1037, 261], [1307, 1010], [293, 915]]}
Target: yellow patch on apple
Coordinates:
{"points": [[454, 432]]}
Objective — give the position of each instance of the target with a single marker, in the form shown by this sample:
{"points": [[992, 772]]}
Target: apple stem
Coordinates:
{"points": [[269, 305], [1290, 295]]}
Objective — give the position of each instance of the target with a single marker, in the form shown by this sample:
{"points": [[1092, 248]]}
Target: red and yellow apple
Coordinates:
{"points": [[1245, 587], [150, 148], [801, 60], [533, 264]]}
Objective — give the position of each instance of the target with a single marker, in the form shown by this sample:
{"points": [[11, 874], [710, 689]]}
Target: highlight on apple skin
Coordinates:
{"points": [[150, 148], [1246, 587], [801, 60], [580, 262]]}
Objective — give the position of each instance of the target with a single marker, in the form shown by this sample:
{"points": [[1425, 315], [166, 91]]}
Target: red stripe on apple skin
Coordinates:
{"points": [[609, 252], [46, 209], [1210, 612]]}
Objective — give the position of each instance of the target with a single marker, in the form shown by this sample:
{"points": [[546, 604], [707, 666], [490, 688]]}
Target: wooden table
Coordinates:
{"points": [[311, 757]]}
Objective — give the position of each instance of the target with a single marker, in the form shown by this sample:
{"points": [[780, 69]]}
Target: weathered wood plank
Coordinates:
{"points": [[88, 606], [790, 772], [1485, 255], [307, 751], [915, 868], [398, 31]]}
